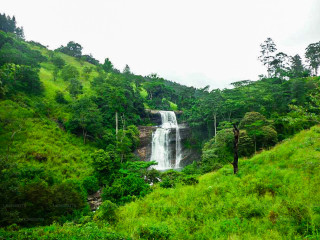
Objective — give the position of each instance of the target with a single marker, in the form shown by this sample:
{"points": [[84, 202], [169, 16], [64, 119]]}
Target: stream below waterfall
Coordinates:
{"points": [[166, 143]]}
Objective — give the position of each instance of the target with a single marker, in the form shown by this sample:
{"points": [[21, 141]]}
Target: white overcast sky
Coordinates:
{"points": [[193, 42]]}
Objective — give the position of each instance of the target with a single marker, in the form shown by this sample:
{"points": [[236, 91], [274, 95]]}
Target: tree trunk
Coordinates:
{"points": [[255, 144], [235, 149], [84, 132], [123, 134], [215, 127], [117, 126], [229, 118]]}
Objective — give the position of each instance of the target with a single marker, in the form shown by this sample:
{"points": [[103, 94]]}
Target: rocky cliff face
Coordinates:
{"points": [[144, 149]]}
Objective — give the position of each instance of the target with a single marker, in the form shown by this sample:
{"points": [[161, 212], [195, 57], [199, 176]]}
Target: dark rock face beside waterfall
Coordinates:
{"points": [[188, 154], [144, 149]]}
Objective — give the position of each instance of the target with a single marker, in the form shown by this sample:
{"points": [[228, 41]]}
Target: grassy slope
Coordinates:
{"points": [[275, 196], [40, 135], [47, 70]]}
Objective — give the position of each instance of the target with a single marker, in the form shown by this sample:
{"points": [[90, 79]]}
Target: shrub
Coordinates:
{"points": [[192, 168], [58, 62], [153, 176], [190, 180], [170, 178], [89, 231], [17, 52], [160, 231], [68, 196], [167, 183], [105, 165], [125, 189], [250, 207], [90, 184], [20, 78], [37, 200], [69, 72], [59, 97], [107, 211]]}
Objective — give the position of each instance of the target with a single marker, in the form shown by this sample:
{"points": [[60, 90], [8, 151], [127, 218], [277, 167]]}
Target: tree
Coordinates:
{"points": [[106, 165], [20, 78], [307, 115], [75, 87], [69, 72], [235, 149], [58, 62], [19, 32], [259, 129], [127, 141], [8, 24], [213, 105], [269, 137], [86, 117], [268, 47], [17, 52], [313, 56], [107, 65], [297, 69], [246, 144], [115, 97], [72, 49], [90, 59], [59, 97], [125, 188], [126, 69], [279, 66], [253, 122], [86, 72], [219, 149]]}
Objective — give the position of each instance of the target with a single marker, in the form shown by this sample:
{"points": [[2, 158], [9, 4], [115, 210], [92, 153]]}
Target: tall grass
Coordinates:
{"points": [[275, 196]]}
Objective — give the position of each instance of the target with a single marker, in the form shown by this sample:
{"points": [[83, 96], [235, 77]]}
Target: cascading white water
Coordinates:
{"points": [[161, 152]]}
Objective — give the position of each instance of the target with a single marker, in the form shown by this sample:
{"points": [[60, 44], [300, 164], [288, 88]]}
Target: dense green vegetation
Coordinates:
{"points": [[68, 127], [275, 196]]}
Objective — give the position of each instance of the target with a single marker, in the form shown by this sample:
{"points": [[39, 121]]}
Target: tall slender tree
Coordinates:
{"points": [[313, 56], [126, 69], [268, 47], [279, 66], [236, 134], [107, 65], [297, 69]]}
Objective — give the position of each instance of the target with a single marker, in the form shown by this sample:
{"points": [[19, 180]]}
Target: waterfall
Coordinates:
{"points": [[162, 151]]}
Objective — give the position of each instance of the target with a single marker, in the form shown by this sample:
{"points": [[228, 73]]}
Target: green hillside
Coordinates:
{"points": [[275, 196]]}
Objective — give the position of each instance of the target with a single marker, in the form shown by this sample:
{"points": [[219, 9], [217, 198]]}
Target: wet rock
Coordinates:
{"points": [[144, 149], [95, 200]]}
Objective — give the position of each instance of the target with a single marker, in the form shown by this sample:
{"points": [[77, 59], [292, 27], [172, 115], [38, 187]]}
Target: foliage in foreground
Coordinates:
{"points": [[88, 230], [275, 195]]}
